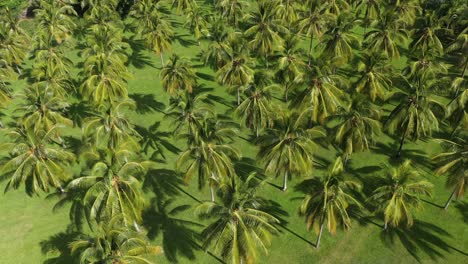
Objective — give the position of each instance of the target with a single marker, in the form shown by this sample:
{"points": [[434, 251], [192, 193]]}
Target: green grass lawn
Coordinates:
{"points": [[438, 236]]}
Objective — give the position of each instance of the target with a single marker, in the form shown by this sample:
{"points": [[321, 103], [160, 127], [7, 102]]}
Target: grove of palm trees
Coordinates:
{"points": [[233, 131]]}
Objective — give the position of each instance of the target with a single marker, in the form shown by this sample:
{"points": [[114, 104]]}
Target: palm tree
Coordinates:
{"points": [[321, 96], [178, 75], [357, 128], [34, 161], [458, 107], [287, 149], [241, 226], [110, 128], [184, 5], [232, 10], [374, 76], [187, 112], [264, 32], [314, 22], [399, 194], [54, 22], [386, 36], [412, 118], [425, 38], [109, 242], [111, 186], [154, 28], [327, 201], [208, 156], [453, 163], [5, 91], [42, 110], [255, 111], [219, 51], [197, 22], [290, 65], [13, 47], [338, 40], [236, 73], [371, 9], [460, 45]]}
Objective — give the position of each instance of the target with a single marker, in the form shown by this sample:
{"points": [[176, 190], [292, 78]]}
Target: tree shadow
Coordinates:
{"points": [[76, 145], [157, 140], [297, 235], [185, 42], [179, 237], [422, 237], [136, 58], [58, 245], [78, 112], [418, 157], [162, 182], [205, 76], [146, 103], [463, 208]]}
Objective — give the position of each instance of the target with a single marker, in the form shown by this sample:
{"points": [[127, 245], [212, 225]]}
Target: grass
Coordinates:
{"points": [[29, 225]]}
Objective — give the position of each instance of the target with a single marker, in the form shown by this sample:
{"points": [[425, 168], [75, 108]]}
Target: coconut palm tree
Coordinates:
{"points": [[35, 161], [208, 156], [13, 47], [460, 46], [453, 163], [256, 110], [178, 75], [399, 194], [313, 22], [241, 226], [5, 91], [321, 94], [111, 186], [237, 73], [374, 76], [371, 10], [219, 51], [153, 27], [287, 149], [42, 110], [327, 201], [110, 242], [290, 65], [187, 112], [54, 22], [338, 40], [412, 118], [357, 128], [184, 5], [425, 37], [424, 71], [385, 37], [264, 34], [196, 20], [458, 107], [232, 10], [110, 128]]}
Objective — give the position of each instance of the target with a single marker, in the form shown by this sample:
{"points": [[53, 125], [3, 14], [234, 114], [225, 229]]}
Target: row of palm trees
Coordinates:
{"points": [[337, 87]]}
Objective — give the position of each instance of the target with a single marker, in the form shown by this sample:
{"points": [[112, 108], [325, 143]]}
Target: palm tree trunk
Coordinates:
{"points": [[212, 193], [257, 131], [137, 228], [310, 47], [238, 96], [385, 225], [402, 141], [317, 245], [162, 58], [285, 181], [266, 60], [449, 200], [286, 93]]}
